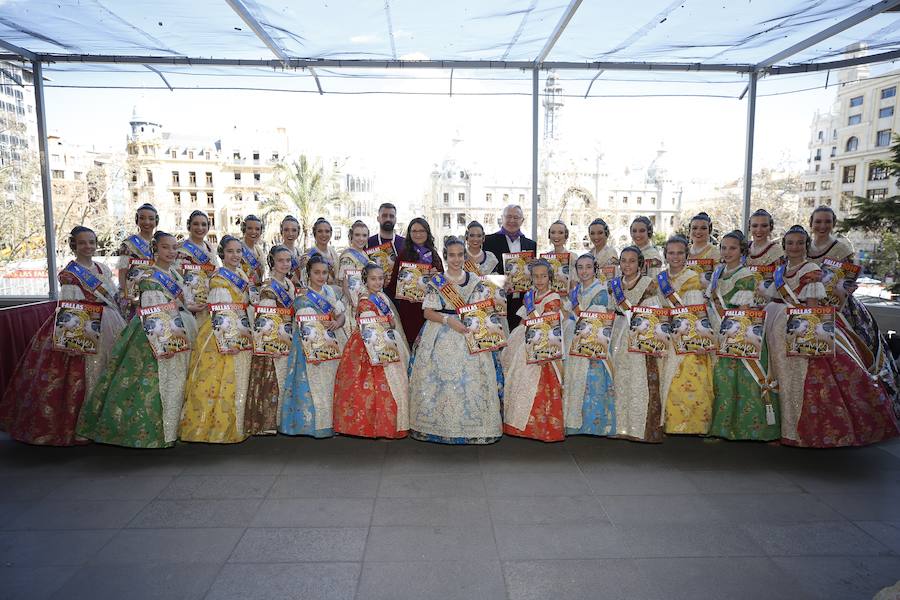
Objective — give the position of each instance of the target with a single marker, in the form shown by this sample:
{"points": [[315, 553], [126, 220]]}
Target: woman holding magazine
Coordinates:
{"points": [[686, 383], [197, 260], [319, 339], [49, 386], [639, 415], [454, 393], [746, 403], [589, 402], [220, 363], [371, 395], [136, 257], [137, 402], [532, 363], [826, 400], [349, 271]]}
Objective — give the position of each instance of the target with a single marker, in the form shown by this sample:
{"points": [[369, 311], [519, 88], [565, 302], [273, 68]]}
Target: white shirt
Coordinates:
{"points": [[515, 246]]}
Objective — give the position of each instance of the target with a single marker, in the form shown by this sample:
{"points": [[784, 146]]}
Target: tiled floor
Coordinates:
{"points": [[347, 518]]}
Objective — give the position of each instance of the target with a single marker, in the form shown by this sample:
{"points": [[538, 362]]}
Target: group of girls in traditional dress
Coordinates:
{"points": [[435, 387]]}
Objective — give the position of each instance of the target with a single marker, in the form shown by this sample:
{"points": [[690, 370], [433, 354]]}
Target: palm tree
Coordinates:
{"points": [[305, 190]]}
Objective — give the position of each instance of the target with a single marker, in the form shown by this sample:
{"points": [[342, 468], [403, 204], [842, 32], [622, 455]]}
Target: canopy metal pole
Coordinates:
{"points": [[748, 160], [46, 187], [534, 152]]}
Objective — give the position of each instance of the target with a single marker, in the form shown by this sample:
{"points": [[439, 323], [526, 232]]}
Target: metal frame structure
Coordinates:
{"points": [[768, 66]]}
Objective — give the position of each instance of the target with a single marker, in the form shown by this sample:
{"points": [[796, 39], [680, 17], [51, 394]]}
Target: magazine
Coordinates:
{"points": [[741, 333], [138, 268], [319, 343], [836, 274], [231, 327], [649, 331], [593, 332], [515, 267], [764, 275], [385, 256], [196, 279], [703, 266], [691, 330], [380, 340], [272, 330], [412, 281], [165, 330], [484, 326], [810, 331], [77, 327], [543, 338], [561, 275]]}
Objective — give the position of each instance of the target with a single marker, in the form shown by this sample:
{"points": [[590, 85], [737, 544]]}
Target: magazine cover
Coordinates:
{"points": [[703, 266], [384, 255], [593, 332], [515, 267], [272, 330], [231, 327], [196, 279], [412, 281], [484, 326], [650, 331], [319, 343], [741, 333], [764, 275], [604, 274], [380, 340], [353, 277], [164, 329], [77, 327], [543, 338], [810, 331], [691, 330], [838, 274], [138, 268], [561, 275], [494, 284]]}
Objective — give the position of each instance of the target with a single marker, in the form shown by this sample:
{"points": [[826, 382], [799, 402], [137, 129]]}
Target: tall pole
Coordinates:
{"points": [[748, 159], [46, 187], [534, 153]]}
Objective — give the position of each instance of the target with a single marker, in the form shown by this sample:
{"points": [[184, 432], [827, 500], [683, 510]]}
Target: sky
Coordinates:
{"points": [[401, 137]]}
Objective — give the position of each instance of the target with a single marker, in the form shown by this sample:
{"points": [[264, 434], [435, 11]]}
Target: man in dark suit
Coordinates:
{"points": [[387, 220], [510, 239]]}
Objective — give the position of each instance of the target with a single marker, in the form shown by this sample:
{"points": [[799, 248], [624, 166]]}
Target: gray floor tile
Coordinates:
{"points": [[863, 479], [732, 578], [558, 541], [547, 509], [234, 464], [814, 539], [51, 548], [326, 485], [640, 481], [150, 580], [536, 484], [559, 463], [577, 580], [448, 580], [429, 459], [865, 507], [352, 460], [742, 482], [445, 485], [110, 463], [841, 578], [307, 581], [32, 583], [314, 512], [886, 532], [325, 544], [78, 514], [781, 508], [21, 489], [138, 546], [165, 514], [688, 540], [430, 543], [432, 511], [213, 487], [9, 511], [110, 488], [659, 509]]}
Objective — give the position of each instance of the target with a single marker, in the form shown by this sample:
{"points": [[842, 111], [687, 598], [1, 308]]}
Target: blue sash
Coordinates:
{"points": [[142, 246], [282, 294], [715, 278], [295, 264], [615, 285], [195, 251], [320, 302], [779, 276], [359, 256], [665, 286], [233, 278], [381, 304], [167, 282], [439, 280], [91, 281], [249, 257], [528, 301], [573, 296]]}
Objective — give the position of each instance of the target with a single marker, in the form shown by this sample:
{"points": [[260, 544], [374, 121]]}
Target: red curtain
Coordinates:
{"points": [[18, 325]]}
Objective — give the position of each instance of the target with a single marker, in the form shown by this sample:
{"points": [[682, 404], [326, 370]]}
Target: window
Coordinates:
{"points": [[852, 144], [191, 155], [177, 197], [461, 219], [256, 155], [821, 135], [854, 120], [257, 177], [883, 138], [462, 197], [809, 186], [639, 200], [846, 201], [212, 219], [193, 197], [57, 174], [209, 179], [192, 177], [889, 92], [818, 166], [818, 154], [624, 199], [809, 202], [856, 101], [877, 173], [174, 153], [176, 178], [505, 198], [521, 198], [825, 184], [149, 176], [877, 194], [833, 151], [256, 196], [237, 175], [653, 200], [849, 174], [445, 220], [134, 176], [207, 155], [239, 197], [824, 200], [210, 199], [236, 155], [446, 197], [487, 197], [887, 111], [274, 156]]}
